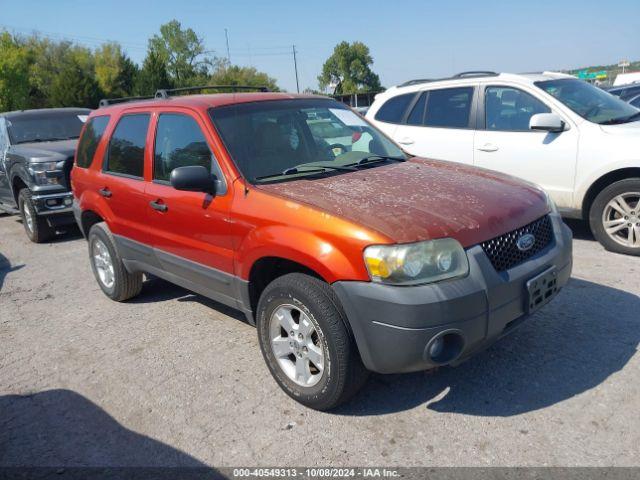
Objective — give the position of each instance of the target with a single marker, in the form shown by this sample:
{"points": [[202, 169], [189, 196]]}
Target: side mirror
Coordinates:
{"points": [[546, 122], [193, 179]]}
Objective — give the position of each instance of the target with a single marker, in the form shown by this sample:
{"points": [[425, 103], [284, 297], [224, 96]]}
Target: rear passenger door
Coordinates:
{"points": [[190, 230], [440, 125], [121, 181]]}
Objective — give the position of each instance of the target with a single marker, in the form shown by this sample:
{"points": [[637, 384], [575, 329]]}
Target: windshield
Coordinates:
{"points": [[589, 102], [287, 139], [45, 127]]}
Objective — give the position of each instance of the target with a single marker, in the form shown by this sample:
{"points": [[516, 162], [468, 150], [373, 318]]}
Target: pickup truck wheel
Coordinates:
{"points": [[35, 226], [112, 276], [306, 344], [615, 217]]}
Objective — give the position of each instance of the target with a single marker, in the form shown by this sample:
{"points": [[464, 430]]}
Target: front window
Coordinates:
{"points": [[590, 102], [45, 127], [510, 109], [288, 139]]}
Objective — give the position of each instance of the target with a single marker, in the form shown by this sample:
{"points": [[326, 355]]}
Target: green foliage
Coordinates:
{"points": [[226, 74], [14, 74], [37, 72], [349, 68], [114, 71], [152, 76], [183, 52]]}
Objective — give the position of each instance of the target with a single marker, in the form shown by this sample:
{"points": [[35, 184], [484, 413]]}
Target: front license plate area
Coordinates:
{"points": [[541, 289]]}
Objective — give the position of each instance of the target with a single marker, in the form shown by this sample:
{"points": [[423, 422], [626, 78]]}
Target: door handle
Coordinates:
{"points": [[105, 192], [406, 141], [157, 205], [488, 147]]}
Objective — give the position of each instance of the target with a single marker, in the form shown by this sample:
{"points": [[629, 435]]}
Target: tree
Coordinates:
{"points": [[14, 74], [226, 74], [74, 85], [114, 71], [349, 69], [152, 76], [183, 52]]}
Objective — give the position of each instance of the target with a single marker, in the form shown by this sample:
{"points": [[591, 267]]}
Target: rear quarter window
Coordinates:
{"points": [[90, 139], [393, 110]]}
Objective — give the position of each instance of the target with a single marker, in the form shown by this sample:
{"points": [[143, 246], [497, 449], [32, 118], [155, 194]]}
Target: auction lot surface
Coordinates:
{"points": [[172, 378]]}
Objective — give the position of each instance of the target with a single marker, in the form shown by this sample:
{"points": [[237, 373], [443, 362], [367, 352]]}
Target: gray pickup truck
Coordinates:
{"points": [[36, 157]]}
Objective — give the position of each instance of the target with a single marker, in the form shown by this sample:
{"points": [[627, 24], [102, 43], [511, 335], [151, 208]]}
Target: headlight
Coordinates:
{"points": [[415, 263], [39, 172]]}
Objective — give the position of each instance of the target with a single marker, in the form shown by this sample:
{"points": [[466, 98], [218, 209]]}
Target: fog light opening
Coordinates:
{"points": [[445, 348]]}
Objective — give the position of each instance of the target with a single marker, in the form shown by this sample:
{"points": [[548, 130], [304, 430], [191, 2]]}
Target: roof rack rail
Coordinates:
{"points": [[105, 102], [475, 73], [166, 92], [417, 81]]}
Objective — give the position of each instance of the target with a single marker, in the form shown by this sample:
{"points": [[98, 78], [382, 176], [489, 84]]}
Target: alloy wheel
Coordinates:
{"points": [[621, 219], [28, 217], [103, 263], [296, 345]]}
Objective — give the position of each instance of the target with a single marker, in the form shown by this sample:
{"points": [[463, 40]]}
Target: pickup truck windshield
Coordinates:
{"points": [[590, 102], [283, 140], [44, 127]]}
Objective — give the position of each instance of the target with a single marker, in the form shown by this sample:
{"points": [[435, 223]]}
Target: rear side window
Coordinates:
{"points": [[126, 147], [393, 109], [179, 143], [449, 107], [90, 139]]}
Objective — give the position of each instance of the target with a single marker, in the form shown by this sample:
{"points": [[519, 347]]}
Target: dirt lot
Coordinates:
{"points": [[172, 378]]}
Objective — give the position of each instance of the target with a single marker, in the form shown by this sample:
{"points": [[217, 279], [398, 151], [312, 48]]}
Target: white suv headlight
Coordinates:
{"points": [[415, 263]]}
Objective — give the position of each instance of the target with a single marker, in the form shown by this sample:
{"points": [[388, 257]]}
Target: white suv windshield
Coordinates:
{"points": [[590, 102], [286, 139]]}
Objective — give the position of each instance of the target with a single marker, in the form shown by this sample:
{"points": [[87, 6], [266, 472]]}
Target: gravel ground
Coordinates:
{"points": [[172, 378]]}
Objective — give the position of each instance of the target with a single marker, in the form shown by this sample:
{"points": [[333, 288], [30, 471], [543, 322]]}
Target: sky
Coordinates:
{"points": [[407, 39]]}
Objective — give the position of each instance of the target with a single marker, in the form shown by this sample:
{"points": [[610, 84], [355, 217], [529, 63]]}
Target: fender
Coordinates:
{"points": [[303, 247], [19, 170], [593, 176]]}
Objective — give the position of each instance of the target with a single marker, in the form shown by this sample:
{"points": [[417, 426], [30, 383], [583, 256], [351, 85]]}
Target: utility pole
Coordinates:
{"points": [[226, 35], [295, 65]]}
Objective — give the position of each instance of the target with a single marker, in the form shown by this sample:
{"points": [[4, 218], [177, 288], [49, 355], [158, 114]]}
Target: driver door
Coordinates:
{"points": [[5, 187]]}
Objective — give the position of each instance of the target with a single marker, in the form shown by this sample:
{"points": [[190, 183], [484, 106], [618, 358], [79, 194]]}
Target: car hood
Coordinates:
{"points": [[45, 151], [423, 199], [631, 128]]}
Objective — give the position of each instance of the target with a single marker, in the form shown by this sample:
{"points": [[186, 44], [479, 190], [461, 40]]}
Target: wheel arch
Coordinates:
{"points": [[603, 182]]}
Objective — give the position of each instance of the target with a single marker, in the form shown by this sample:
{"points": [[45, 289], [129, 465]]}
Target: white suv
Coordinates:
{"points": [[578, 142]]}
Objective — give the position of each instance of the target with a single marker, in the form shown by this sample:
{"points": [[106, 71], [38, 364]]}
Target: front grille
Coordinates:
{"points": [[503, 251]]}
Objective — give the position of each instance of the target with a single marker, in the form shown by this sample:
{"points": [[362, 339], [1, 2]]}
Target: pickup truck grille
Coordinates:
{"points": [[503, 251]]}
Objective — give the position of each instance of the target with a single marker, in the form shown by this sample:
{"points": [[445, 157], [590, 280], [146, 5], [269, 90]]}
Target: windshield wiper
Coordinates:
{"points": [[376, 159], [301, 169], [617, 121], [51, 139]]}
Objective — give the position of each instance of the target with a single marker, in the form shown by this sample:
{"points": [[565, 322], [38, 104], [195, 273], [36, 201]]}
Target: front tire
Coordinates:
{"points": [[614, 217], [114, 279], [35, 226], [306, 344]]}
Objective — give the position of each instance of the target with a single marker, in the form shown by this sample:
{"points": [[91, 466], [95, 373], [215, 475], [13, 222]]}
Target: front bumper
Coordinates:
{"points": [[53, 203], [393, 326]]}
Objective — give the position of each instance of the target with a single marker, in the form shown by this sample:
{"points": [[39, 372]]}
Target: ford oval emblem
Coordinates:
{"points": [[525, 242]]}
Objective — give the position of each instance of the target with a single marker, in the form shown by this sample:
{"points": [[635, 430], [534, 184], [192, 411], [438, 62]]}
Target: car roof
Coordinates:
{"points": [[40, 111], [473, 78], [206, 101]]}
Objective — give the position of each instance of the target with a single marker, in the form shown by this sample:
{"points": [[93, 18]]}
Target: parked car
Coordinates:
{"points": [[575, 140], [635, 101], [36, 157], [348, 257], [625, 92]]}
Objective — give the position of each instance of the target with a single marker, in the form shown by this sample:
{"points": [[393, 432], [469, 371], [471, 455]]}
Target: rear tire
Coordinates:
{"points": [[614, 217], [35, 226], [315, 312], [114, 279]]}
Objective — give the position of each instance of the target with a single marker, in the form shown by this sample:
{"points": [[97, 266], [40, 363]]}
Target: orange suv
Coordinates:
{"points": [[347, 254]]}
